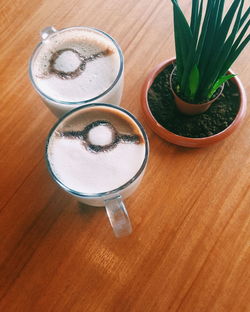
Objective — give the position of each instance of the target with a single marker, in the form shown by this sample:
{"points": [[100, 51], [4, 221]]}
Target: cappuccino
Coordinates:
{"points": [[96, 149], [75, 66]]}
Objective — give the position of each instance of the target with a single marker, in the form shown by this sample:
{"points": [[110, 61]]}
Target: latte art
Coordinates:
{"points": [[96, 149], [82, 61], [108, 138], [75, 65]]}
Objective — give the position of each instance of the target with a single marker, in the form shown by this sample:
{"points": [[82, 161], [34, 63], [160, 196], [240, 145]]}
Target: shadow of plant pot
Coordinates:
{"points": [[182, 140]]}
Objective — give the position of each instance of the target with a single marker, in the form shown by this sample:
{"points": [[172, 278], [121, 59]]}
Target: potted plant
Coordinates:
{"points": [[195, 99]]}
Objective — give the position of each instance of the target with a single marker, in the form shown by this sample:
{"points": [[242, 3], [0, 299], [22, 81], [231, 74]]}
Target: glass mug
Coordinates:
{"points": [[98, 154], [76, 66]]}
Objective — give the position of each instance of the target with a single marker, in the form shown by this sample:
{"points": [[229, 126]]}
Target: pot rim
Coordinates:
{"points": [[187, 141]]}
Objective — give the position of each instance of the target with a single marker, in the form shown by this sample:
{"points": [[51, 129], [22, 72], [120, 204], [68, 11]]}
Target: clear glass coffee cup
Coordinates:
{"points": [[98, 154], [76, 66]]}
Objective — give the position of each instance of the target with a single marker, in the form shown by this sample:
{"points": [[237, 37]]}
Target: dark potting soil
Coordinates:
{"points": [[218, 117]]}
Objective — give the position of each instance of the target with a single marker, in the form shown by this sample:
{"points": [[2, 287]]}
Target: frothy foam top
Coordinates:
{"points": [[75, 65], [96, 150], [100, 135]]}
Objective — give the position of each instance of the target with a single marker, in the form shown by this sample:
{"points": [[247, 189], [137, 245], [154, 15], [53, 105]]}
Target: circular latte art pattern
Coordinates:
{"points": [[107, 140]]}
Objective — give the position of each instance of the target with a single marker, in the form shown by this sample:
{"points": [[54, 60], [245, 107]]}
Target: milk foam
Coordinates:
{"points": [[100, 135], [67, 62], [97, 76], [85, 171]]}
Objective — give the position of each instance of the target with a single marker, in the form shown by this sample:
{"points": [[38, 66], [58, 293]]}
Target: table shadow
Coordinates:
{"points": [[89, 211]]}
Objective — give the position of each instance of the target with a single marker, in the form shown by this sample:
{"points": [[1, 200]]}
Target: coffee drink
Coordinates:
{"points": [[75, 66], [96, 149]]}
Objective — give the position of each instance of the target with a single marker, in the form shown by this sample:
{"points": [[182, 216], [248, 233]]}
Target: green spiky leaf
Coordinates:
{"points": [[194, 80], [212, 41], [218, 83]]}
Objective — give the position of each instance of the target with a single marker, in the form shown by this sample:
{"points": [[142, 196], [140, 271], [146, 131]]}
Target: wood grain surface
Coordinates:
{"points": [[189, 250]]}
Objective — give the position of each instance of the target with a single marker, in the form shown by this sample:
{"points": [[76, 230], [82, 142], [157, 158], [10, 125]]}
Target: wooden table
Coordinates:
{"points": [[190, 247]]}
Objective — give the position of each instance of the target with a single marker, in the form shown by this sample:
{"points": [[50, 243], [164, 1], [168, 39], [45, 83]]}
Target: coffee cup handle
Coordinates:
{"points": [[47, 31], [118, 216]]}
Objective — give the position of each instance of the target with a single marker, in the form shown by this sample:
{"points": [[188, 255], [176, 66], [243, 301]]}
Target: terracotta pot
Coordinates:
{"points": [[181, 140], [190, 108]]}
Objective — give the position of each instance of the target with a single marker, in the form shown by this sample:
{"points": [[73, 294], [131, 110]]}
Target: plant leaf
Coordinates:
{"points": [[220, 12], [178, 49], [225, 25], [204, 30], [223, 46], [198, 23], [221, 35], [181, 24], [209, 42], [232, 57], [194, 16], [194, 80], [183, 38], [189, 63], [241, 35], [218, 83], [244, 17], [228, 44], [208, 46]]}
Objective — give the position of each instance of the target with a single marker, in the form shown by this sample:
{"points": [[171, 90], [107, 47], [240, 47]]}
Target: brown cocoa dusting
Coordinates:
{"points": [[83, 60], [116, 137]]}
